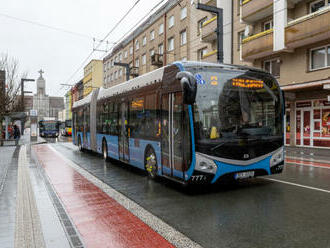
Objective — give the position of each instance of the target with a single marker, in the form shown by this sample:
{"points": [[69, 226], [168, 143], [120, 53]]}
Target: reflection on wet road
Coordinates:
{"points": [[254, 213]]}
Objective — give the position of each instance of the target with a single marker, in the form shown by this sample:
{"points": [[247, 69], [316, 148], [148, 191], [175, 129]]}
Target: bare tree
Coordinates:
{"points": [[9, 101]]}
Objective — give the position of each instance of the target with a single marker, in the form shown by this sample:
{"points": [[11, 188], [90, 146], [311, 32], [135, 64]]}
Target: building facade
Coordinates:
{"points": [[174, 32], [46, 106], [291, 39], [68, 105], [93, 76]]}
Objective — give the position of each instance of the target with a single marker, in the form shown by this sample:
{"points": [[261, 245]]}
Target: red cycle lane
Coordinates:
{"points": [[101, 221]]}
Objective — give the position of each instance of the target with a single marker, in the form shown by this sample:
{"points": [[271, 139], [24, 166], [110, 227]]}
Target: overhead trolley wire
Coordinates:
{"points": [[101, 41]]}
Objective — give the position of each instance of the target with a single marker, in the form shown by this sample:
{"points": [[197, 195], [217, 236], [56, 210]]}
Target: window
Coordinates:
{"points": [[137, 45], [268, 25], [201, 53], [131, 50], [137, 62], [116, 59], [125, 54], [316, 5], [116, 75], [152, 35], [161, 48], [170, 44], [184, 59], [152, 52], [111, 63], [183, 13], [240, 37], [144, 59], [320, 58], [120, 57], [171, 22], [120, 73], [183, 37], [111, 77], [144, 40], [200, 24], [273, 67], [161, 29]]}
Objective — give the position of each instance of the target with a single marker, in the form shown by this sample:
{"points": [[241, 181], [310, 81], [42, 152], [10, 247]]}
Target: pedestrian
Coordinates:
{"points": [[17, 134]]}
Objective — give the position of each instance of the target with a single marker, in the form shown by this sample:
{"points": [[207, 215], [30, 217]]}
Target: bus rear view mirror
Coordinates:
{"points": [[189, 86]]}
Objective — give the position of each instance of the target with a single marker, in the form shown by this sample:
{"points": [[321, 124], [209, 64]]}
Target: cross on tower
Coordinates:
{"points": [[41, 72]]}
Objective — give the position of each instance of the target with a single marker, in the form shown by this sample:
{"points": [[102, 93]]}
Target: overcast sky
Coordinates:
{"points": [[59, 54]]}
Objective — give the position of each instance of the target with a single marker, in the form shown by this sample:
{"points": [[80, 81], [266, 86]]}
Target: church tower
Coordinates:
{"points": [[41, 84]]}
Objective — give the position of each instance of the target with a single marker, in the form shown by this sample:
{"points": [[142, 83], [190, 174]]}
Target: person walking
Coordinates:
{"points": [[17, 134]]}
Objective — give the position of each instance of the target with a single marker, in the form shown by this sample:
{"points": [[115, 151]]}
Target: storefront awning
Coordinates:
{"points": [[301, 86]]}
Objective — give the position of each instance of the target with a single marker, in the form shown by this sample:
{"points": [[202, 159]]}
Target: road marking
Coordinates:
{"points": [[165, 230], [298, 185], [308, 163], [308, 159]]}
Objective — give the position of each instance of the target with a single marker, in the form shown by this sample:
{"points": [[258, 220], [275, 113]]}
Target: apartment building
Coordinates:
{"points": [[291, 39], [93, 76], [177, 31]]}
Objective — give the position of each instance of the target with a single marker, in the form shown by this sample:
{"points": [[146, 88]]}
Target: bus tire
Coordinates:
{"points": [[150, 163], [105, 150], [80, 144]]}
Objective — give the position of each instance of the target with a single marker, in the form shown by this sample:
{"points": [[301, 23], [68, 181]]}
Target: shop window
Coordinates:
{"points": [[273, 67]]}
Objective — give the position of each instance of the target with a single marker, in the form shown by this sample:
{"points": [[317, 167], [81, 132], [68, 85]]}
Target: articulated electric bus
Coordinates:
{"points": [[189, 122]]}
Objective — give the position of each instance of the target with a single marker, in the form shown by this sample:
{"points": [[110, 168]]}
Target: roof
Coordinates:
{"points": [[135, 83], [83, 101]]}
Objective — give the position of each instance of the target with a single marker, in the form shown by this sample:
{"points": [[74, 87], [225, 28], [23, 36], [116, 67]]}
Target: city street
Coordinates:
{"points": [[287, 210]]}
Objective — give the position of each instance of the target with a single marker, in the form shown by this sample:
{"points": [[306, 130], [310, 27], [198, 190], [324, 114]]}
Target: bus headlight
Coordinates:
{"points": [[204, 164], [277, 157]]}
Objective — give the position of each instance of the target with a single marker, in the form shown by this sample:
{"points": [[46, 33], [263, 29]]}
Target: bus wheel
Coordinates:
{"points": [[150, 163], [105, 151], [80, 145]]}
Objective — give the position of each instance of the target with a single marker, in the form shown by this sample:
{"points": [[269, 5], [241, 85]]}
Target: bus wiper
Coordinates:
{"points": [[219, 145]]}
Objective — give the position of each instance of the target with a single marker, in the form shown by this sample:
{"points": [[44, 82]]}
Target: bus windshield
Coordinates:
{"points": [[237, 114], [68, 123], [49, 126]]}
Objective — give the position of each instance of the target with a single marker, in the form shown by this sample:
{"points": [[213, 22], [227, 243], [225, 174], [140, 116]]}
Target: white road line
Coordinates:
{"points": [[307, 159], [298, 185], [172, 235], [308, 165]]}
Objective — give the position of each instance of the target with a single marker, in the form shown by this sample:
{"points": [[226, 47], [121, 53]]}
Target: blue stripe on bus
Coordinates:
{"points": [[191, 169], [80, 134], [193, 161], [224, 168], [112, 144], [137, 148]]}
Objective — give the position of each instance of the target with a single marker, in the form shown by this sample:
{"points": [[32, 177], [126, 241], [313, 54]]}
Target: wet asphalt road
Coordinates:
{"points": [[254, 213]]}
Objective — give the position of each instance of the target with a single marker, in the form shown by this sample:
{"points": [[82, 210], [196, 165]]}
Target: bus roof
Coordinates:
{"points": [[154, 77]]}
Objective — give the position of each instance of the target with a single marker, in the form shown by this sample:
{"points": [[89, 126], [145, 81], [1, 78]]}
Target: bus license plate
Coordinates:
{"points": [[245, 174]]}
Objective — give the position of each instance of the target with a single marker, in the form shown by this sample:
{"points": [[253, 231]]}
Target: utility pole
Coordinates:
{"points": [[128, 70], [219, 31]]}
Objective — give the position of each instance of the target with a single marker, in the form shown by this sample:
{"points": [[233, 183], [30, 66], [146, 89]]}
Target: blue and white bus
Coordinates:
{"points": [[189, 122]]}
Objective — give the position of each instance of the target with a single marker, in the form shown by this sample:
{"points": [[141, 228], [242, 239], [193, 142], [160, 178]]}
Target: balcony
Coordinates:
{"points": [[258, 45], [208, 31], [210, 57], [308, 29], [254, 10]]}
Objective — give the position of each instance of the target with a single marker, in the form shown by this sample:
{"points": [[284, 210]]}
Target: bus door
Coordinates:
{"points": [[84, 128], [172, 135], [123, 142]]}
